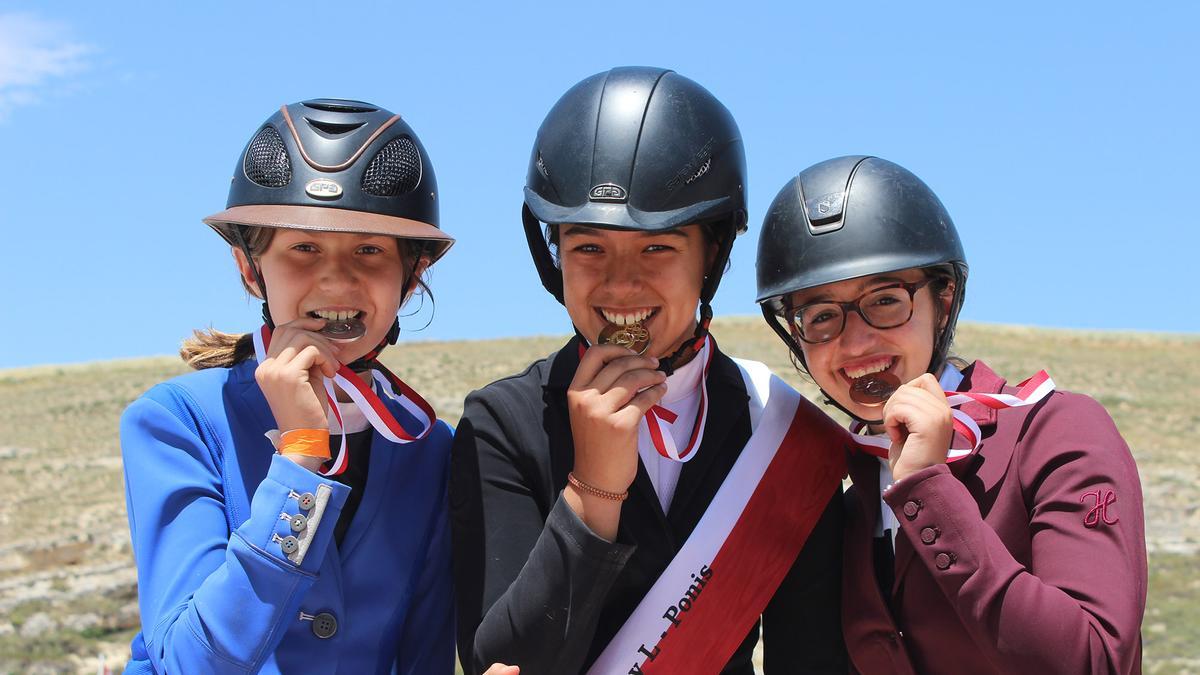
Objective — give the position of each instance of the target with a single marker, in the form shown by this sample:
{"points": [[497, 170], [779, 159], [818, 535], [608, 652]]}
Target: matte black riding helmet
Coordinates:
{"points": [[641, 149], [851, 217], [334, 165]]}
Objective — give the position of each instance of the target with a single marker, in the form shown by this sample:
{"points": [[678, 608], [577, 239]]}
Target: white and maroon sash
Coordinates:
{"points": [[372, 407], [702, 606]]}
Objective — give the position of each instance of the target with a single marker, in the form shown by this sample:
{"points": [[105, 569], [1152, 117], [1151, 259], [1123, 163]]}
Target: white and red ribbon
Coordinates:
{"points": [[661, 438], [1029, 392], [365, 398]]}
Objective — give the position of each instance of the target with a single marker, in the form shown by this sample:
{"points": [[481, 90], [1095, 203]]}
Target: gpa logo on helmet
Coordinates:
{"points": [[608, 192], [323, 188]]}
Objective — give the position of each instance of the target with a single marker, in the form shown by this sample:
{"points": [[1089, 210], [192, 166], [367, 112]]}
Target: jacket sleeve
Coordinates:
{"points": [[1078, 608], [802, 628], [427, 639], [530, 586], [214, 600]]}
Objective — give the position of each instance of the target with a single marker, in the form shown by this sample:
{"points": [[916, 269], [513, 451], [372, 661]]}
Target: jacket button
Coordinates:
{"points": [[289, 545], [929, 535], [324, 625], [299, 522], [911, 508], [944, 560], [307, 500]]}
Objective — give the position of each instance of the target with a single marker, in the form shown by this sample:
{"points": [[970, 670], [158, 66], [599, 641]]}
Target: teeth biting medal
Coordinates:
{"points": [[344, 330], [873, 389], [633, 336]]}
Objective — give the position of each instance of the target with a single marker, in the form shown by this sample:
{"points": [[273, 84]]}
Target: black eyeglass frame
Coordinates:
{"points": [[853, 305]]}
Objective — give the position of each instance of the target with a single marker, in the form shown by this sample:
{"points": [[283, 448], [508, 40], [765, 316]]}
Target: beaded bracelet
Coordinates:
{"points": [[595, 491]]}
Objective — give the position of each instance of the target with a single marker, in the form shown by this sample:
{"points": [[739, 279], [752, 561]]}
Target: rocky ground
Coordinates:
{"points": [[67, 584]]}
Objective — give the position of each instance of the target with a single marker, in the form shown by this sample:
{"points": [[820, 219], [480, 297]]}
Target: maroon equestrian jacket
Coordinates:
{"points": [[1027, 556]]}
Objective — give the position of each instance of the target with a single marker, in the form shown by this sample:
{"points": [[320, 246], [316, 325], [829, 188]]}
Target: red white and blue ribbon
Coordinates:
{"points": [[366, 400], [1029, 392]]}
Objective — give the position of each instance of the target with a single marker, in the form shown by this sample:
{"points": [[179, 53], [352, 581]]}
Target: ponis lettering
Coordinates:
{"points": [[675, 614]]}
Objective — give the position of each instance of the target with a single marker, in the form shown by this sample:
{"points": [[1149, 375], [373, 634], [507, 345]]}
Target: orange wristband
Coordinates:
{"points": [[306, 443], [595, 491]]}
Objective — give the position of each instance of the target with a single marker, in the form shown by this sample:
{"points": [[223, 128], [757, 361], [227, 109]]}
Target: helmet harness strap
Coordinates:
{"points": [[258, 277]]}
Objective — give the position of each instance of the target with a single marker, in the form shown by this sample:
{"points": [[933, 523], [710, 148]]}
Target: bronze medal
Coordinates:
{"points": [[874, 389], [632, 336], [344, 331]]}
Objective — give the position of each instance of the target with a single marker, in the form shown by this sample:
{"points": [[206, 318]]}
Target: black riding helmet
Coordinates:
{"points": [[334, 165], [851, 217], [643, 149]]}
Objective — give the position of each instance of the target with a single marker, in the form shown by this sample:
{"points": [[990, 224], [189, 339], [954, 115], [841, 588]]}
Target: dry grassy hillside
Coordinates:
{"points": [[67, 586]]}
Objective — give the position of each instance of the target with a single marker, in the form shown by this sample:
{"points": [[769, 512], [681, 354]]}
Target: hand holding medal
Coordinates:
{"points": [[291, 376], [1029, 392], [919, 423], [608, 397]]}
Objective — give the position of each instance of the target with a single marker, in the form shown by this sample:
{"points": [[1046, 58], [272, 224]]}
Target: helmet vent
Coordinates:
{"points": [[266, 162], [699, 172], [395, 170], [333, 128], [339, 106]]}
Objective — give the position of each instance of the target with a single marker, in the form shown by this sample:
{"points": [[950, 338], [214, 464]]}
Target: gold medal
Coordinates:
{"points": [[633, 336]]}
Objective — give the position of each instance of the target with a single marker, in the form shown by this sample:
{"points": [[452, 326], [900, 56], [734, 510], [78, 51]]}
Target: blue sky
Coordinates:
{"points": [[1063, 140]]}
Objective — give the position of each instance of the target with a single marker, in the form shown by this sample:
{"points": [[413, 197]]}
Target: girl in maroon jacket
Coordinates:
{"points": [[1015, 546]]}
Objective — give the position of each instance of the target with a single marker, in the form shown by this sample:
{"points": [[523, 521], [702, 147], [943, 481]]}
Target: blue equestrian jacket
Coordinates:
{"points": [[238, 569]]}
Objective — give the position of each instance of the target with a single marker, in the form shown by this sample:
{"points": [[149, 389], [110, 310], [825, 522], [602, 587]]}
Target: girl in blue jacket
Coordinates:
{"points": [[288, 501]]}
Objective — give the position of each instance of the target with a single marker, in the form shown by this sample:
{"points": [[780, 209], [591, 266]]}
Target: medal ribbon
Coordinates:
{"points": [[660, 438], [1029, 392], [366, 400]]}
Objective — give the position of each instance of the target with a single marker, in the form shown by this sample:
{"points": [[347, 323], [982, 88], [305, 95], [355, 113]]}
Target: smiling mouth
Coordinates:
{"points": [[626, 317], [858, 371]]}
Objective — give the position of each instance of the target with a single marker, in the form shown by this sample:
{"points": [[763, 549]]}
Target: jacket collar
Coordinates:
{"points": [[563, 365], [977, 378]]}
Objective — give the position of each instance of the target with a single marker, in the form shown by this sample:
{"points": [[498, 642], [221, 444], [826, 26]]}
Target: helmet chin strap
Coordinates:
{"points": [[258, 277], [690, 347], [371, 359]]}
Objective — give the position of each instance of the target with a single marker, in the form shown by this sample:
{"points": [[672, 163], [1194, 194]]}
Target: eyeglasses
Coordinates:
{"points": [[885, 307]]}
